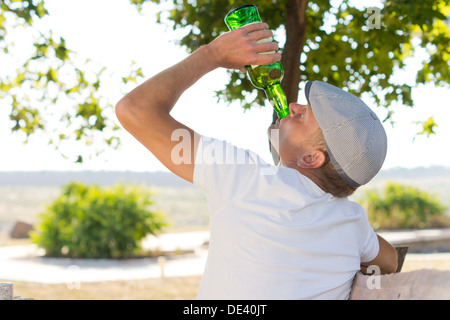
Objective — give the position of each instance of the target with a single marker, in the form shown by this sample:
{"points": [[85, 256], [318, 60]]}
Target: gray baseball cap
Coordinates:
{"points": [[354, 136]]}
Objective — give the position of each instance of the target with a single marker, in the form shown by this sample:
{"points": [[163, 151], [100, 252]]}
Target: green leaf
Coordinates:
{"points": [[338, 46], [428, 127], [40, 10]]}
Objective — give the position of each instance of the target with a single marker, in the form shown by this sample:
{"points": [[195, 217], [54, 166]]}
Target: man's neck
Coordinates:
{"points": [[309, 173]]}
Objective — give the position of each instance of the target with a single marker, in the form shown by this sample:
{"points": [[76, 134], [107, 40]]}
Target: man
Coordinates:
{"points": [[277, 232]]}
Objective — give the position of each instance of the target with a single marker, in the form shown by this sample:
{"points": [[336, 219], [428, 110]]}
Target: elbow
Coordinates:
{"points": [[391, 263], [388, 259], [394, 262], [121, 109], [127, 113], [132, 111]]}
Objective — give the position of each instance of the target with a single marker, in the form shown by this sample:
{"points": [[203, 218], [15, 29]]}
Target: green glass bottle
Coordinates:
{"points": [[265, 77]]}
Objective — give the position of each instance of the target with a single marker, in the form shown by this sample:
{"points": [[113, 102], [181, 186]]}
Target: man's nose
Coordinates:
{"points": [[296, 108]]}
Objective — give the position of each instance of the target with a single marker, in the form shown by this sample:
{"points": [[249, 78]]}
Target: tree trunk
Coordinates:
{"points": [[295, 38]]}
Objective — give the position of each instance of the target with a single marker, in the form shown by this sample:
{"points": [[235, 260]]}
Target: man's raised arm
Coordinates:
{"points": [[145, 111]]}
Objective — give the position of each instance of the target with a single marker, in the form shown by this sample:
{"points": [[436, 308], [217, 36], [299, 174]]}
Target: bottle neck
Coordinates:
{"points": [[277, 98]]}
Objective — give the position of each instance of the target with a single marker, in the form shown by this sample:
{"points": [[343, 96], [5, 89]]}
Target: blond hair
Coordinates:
{"points": [[327, 176]]}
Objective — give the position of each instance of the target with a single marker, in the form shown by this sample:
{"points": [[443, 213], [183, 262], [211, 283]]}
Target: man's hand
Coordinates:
{"points": [[238, 48]]}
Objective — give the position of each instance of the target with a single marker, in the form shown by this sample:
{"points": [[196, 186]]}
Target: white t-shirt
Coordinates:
{"points": [[274, 233]]}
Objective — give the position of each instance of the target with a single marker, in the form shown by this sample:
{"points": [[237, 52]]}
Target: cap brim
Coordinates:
{"points": [[307, 90]]}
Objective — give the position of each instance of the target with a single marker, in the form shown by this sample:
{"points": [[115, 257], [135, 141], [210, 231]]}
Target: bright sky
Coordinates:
{"points": [[113, 34]]}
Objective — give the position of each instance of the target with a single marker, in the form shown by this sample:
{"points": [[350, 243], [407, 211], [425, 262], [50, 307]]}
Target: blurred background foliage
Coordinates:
{"points": [[88, 221], [404, 207], [55, 86], [333, 41]]}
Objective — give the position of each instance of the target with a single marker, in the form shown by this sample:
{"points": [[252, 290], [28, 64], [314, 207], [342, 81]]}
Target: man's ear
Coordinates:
{"points": [[312, 161]]}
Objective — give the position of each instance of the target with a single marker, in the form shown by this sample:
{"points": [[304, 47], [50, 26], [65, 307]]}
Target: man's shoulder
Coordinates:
{"points": [[216, 151]]}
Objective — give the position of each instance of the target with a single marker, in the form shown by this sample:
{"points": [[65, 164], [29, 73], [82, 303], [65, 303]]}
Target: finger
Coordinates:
{"points": [[266, 47], [255, 26], [241, 69], [261, 35], [265, 59]]}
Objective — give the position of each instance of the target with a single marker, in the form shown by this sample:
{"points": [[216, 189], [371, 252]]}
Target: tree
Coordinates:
{"points": [[53, 86], [401, 207], [332, 41]]}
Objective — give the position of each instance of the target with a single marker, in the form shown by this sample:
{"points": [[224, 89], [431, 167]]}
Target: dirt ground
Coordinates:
{"points": [[175, 288], [438, 261]]}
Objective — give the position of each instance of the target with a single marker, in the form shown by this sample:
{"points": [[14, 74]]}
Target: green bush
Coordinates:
{"points": [[404, 207], [94, 222]]}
